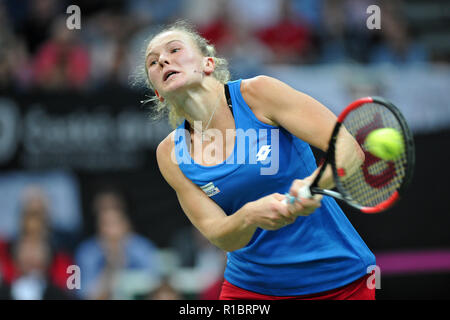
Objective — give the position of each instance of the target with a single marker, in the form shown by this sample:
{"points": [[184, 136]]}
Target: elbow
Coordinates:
{"points": [[232, 233], [224, 243]]}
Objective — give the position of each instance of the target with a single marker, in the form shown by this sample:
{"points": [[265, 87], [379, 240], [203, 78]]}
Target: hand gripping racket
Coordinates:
{"points": [[374, 185]]}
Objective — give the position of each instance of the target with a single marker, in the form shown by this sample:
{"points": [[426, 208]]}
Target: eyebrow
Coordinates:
{"points": [[151, 52]]}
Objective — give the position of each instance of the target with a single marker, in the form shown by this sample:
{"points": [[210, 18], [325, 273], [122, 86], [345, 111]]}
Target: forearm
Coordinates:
{"points": [[233, 232], [349, 157]]}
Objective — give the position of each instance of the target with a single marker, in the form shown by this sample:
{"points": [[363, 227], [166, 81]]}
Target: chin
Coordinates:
{"points": [[178, 85]]}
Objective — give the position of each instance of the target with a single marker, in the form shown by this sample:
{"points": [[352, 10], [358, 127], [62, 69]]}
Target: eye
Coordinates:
{"points": [[175, 50]]}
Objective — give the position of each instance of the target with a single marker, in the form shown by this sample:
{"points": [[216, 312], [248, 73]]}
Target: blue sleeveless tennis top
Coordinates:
{"points": [[316, 253]]}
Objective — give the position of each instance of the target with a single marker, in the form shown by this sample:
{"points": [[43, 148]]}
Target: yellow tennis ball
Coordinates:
{"points": [[385, 143]]}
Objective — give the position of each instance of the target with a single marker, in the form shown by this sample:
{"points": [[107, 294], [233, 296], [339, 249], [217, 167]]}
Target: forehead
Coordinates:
{"points": [[163, 38]]}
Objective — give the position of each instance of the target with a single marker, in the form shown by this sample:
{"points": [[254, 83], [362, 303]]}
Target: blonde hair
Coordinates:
{"points": [[221, 72]]}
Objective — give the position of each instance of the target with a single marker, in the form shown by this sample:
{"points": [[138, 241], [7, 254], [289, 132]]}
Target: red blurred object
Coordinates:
{"points": [[58, 269], [287, 39], [217, 33], [213, 291], [58, 65], [7, 271]]}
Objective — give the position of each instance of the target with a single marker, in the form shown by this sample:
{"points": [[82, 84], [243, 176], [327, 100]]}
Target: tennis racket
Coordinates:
{"points": [[374, 185]]}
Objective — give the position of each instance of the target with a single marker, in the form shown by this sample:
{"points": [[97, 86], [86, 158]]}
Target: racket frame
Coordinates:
{"points": [[330, 157]]}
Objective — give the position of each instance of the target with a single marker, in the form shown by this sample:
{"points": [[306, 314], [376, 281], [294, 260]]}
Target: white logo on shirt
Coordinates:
{"points": [[210, 189], [263, 153]]}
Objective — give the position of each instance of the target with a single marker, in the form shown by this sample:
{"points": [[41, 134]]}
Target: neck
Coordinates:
{"points": [[200, 102]]}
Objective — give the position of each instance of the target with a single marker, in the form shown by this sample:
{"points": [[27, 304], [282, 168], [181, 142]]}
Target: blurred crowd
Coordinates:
{"points": [[38, 50], [114, 262]]}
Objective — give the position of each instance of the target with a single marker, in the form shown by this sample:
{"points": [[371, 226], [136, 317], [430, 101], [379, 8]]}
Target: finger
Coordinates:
{"points": [[288, 216], [295, 208], [318, 197], [288, 199], [285, 199], [303, 209], [278, 196], [291, 219], [285, 213], [296, 185], [305, 213], [310, 203]]}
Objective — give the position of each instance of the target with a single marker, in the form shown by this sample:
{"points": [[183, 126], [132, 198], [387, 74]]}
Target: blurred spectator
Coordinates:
{"points": [[396, 45], [35, 219], [14, 68], [333, 32], [37, 27], [62, 62], [236, 41], [154, 11], [256, 16], [107, 35], [35, 226], [165, 291], [218, 29], [115, 250], [202, 12], [344, 34], [18, 12], [6, 264], [15, 71], [247, 54], [32, 258], [57, 189], [33, 39], [204, 261], [288, 37], [310, 11]]}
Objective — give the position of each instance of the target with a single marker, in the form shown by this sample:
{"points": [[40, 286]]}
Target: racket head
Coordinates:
{"points": [[376, 184]]}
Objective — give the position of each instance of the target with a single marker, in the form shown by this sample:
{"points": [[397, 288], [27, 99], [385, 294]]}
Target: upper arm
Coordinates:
{"points": [[276, 103], [198, 207]]}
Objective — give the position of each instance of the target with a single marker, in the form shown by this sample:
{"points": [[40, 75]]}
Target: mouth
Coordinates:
{"points": [[169, 74]]}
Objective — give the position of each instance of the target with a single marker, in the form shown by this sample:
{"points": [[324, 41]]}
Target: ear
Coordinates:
{"points": [[210, 65], [159, 97]]}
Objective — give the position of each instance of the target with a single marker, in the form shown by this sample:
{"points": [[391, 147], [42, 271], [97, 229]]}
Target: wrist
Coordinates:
{"points": [[248, 216]]}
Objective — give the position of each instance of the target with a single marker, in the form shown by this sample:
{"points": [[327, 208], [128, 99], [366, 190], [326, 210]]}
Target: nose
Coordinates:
{"points": [[163, 60]]}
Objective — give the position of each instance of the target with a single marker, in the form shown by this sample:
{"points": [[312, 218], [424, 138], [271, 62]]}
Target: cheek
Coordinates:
{"points": [[191, 61], [153, 78]]}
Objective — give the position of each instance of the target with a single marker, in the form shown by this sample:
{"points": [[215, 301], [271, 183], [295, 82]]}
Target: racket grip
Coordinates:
{"points": [[304, 192], [289, 199]]}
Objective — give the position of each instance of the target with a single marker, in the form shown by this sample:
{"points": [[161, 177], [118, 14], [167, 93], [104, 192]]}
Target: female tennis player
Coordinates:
{"points": [[302, 250]]}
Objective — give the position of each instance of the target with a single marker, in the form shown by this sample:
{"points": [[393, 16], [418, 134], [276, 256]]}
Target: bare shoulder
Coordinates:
{"points": [[165, 147], [262, 93], [253, 88], [261, 86], [166, 162]]}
